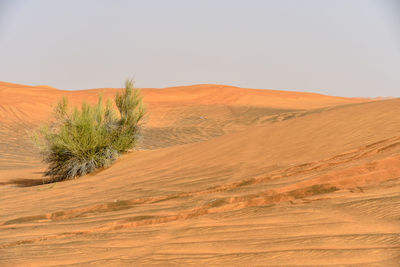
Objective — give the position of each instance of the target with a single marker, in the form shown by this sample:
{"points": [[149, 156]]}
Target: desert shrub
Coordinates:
{"points": [[92, 137]]}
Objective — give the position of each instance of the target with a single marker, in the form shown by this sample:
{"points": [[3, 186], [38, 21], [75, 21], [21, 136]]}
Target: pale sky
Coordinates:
{"points": [[334, 47]]}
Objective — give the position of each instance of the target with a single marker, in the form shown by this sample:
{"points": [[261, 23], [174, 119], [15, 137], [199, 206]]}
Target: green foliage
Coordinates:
{"points": [[83, 140], [132, 111]]}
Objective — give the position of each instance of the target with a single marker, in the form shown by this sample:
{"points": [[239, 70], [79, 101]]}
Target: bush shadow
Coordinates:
{"points": [[23, 182], [26, 182]]}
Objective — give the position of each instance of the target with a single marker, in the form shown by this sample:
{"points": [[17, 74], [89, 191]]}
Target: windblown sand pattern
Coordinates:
{"points": [[224, 176]]}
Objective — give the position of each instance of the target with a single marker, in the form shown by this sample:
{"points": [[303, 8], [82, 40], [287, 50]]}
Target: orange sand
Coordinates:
{"points": [[224, 176]]}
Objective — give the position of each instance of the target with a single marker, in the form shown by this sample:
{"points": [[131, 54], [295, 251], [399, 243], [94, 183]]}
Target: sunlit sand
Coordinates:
{"points": [[223, 176]]}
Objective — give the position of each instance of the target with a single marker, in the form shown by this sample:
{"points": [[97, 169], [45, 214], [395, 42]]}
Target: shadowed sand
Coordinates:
{"points": [[224, 176]]}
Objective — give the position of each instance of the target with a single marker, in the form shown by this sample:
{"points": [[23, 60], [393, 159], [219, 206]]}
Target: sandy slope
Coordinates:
{"points": [[225, 176]]}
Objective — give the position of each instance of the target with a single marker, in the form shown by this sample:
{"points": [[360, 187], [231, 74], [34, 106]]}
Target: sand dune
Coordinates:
{"points": [[33, 103], [224, 176]]}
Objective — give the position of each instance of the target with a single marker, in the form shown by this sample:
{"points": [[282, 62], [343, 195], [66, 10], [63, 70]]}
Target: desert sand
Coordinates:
{"points": [[224, 176]]}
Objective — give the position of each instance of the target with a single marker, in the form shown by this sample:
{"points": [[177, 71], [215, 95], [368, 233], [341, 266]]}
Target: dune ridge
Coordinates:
{"points": [[33, 103]]}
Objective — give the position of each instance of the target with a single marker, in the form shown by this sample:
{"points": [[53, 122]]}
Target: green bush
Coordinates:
{"points": [[83, 140]]}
